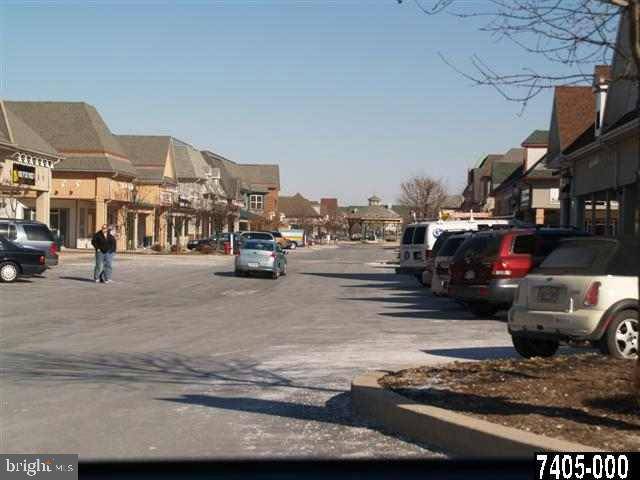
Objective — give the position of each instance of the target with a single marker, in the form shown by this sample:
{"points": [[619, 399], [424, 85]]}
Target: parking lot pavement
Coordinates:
{"points": [[179, 358]]}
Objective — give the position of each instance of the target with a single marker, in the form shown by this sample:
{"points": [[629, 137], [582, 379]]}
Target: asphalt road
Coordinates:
{"points": [[179, 358]]}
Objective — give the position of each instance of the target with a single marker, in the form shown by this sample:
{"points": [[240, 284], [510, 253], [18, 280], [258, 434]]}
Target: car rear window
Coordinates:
{"points": [[524, 244], [478, 245], [257, 236], [450, 246], [408, 235], [38, 233], [253, 245], [578, 257], [418, 237]]}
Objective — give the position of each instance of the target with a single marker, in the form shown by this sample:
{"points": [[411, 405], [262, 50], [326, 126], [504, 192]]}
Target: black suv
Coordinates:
{"points": [[486, 270]]}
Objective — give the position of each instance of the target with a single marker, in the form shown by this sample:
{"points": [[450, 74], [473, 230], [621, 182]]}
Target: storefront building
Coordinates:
{"points": [[26, 163], [93, 184], [601, 169]]}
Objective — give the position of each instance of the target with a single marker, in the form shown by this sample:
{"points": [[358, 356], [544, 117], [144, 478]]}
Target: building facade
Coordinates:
{"points": [[26, 163]]}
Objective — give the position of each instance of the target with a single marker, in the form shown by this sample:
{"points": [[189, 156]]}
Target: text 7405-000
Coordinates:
{"points": [[585, 466]]}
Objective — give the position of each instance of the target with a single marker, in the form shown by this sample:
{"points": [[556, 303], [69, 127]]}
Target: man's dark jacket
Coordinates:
{"points": [[104, 244]]}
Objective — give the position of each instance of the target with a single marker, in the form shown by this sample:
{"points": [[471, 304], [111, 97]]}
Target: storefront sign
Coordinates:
{"points": [[554, 195], [23, 174]]}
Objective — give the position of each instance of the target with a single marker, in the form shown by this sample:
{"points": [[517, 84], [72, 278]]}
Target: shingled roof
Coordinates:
{"points": [[328, 206], [573, 112], [14, 131], [149, 154], [537, 138], [251, 177], [373, 213], [296, 206], [76, 130], [189, 162]]}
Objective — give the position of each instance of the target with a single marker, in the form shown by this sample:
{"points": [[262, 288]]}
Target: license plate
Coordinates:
{"points": [[253, 265], [548, 294]]}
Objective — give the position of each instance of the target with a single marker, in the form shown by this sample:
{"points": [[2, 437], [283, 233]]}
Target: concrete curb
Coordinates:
{"points": [[456, 434]]}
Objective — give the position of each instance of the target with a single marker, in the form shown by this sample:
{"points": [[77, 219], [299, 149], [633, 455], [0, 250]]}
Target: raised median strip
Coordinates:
{"points": [[454, 433]]}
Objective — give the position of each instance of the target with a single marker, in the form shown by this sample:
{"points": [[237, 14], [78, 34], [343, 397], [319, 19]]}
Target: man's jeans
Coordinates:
{"points": [[103, 268]]}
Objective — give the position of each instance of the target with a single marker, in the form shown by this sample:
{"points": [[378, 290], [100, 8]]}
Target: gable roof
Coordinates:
{"points": [[231, 184], [501, 171], [328, 206], [372, 212], [251, 177], [573, 112], [13, 130], [622, 97], [296, 206], [76, 130], [188, 161], [149, 154], [537, 138]]}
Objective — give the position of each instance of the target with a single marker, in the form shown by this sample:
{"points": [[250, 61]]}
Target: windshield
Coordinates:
{"points": [[253, 245], [230, 218]]}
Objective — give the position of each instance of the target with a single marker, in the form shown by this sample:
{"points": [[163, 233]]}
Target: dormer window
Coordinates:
{"points": [[256, 202]]}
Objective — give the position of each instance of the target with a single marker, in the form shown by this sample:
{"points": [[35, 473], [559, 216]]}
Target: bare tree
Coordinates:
{"points": [[571, 34], [424, 195]]}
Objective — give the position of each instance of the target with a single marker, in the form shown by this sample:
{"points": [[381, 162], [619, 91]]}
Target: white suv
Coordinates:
{"points": [[586, 290]]}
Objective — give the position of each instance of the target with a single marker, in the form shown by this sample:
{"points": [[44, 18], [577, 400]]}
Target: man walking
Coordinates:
{"points": [[105, 245]]}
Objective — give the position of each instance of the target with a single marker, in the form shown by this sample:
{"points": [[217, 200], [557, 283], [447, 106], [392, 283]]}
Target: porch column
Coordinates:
{"points": [[135, 230], [578, 212], [101, 213], [43, 207]]}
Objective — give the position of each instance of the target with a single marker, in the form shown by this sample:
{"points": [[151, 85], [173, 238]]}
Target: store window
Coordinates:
{"points": [[256, 202]]}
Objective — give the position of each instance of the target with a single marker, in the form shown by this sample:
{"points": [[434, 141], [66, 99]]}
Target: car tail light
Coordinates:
{"points": [[514, 266], [41, 259], [53, 249], [427, 254], [273, 255], [592, 294]]}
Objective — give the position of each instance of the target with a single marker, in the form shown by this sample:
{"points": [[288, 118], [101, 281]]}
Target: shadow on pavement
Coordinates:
{"points": [[336, 409], [79, 279], [373, 277], [475, 353], [224, 274], [151, 368]]}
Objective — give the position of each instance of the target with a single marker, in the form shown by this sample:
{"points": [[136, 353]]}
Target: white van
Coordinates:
{"points": [[418, 240]]}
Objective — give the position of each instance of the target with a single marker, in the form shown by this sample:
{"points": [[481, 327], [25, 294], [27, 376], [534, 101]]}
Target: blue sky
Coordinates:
{"points": [[349, 97]]}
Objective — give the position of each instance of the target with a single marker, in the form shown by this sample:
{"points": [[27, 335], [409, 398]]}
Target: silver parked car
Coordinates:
{"points": [[261, 256], [31, 234], [586, 290]]}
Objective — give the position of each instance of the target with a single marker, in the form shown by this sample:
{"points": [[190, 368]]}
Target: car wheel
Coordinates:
{"points": [[482, 310], [533, 347], [8, 272], [293, 246], [621, 339]]}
